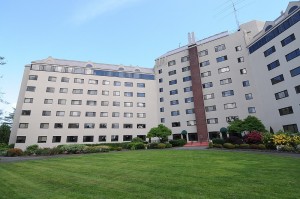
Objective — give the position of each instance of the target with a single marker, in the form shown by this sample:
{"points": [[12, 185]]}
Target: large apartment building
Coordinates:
{"points": [[194, 90]]}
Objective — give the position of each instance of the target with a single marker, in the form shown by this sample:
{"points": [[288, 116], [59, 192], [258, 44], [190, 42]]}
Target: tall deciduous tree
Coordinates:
{"points": [[161, 132], [4, 133]]}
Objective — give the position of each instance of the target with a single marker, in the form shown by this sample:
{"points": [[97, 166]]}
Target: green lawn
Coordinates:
{"points": [[154, 174]]}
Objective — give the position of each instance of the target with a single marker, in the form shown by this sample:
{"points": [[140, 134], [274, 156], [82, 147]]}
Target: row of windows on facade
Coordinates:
{"points": [[88, 102], [87, 114], [89, 92], [74, 139], [86, 126], [90, 81], [285, 93], [283, 42], [280, 78], [205, 52]]}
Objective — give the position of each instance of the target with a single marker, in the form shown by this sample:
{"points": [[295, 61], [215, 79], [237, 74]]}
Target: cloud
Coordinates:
{"points": [[95, 8]]}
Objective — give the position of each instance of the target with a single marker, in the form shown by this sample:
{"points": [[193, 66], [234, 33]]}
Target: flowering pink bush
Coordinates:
{"points": [[254, 137]]}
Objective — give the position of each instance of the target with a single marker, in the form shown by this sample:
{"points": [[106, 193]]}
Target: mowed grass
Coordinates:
{"points": [[154, 174]]}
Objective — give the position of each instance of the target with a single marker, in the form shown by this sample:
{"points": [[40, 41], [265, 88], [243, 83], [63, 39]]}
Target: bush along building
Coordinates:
{"points": [[194, 90]]}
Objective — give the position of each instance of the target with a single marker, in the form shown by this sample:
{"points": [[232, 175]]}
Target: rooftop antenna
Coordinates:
{"points": [[235, 14]]}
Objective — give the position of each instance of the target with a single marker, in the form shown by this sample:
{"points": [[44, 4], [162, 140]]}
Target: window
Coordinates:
{"points": [[103, 114], [230, 106], [173, 72], [212, 121], [238, 48], [240, 59], [162, 120], [174, 92], [115, 103], [174, 102], [140, 85], [60, 113], [141, 126], [128, 84], [104, 103], [89, 125], [117, 83], [207, 85], [288, 40], [172, 82], [93, 81], [21, 139], [72, 138], [102, 138], [160, 80], [231, 118], [88, 138], [91, 103], [141, 95], [114, 138], [160, 71], [210, 108], [46, 113], [106, 93], [203, 53], [175, 113], [286, 111], [63, 90], [188, 78], [128, 104], [77, 91], [44, 125], [33, 77], [222, 58], [128, 94], [243, 71], [187, 68], [297, 89], [26, 112], [292, 55], [295, 71], [127, 138], [78, 80], [161, 99], [141, 104], [251, 110], [290, 128], [277, 79], [273, 65], [62, 101], [73, 125], [141, 115], [204, 63], [161, 90], [30, 88], [92, 92], [75, 113], [42, 139], [28, 100], [220, 48], [227, 93], [116, 93], [171, 63], [50, 90], [184, 59], [115, 125], [191, 123], [225, 81], [65, 79], [269, 51], [115, 114], [188, 100], [206, 74], [223, 70], [103, 126], [58, 125], [127, 126], [249, 96], [209, 96], [175, 124], [281, 94], [162, 109], [105, 82], [79, 70], [76, 102], [190, 111], [246, 83], [90, 114], [56, 139], [127, 114], [51, 79]]}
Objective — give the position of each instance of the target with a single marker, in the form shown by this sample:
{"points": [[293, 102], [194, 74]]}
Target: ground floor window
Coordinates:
{"points": [[21, 139], [88, 138], [176, 136], [56, 139], [127, 138], [72, 138]]}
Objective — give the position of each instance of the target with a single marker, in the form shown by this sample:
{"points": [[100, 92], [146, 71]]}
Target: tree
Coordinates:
{"points": [[161, 132], [236, 126], [251, 123], [9, 118], [4, 133]]}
